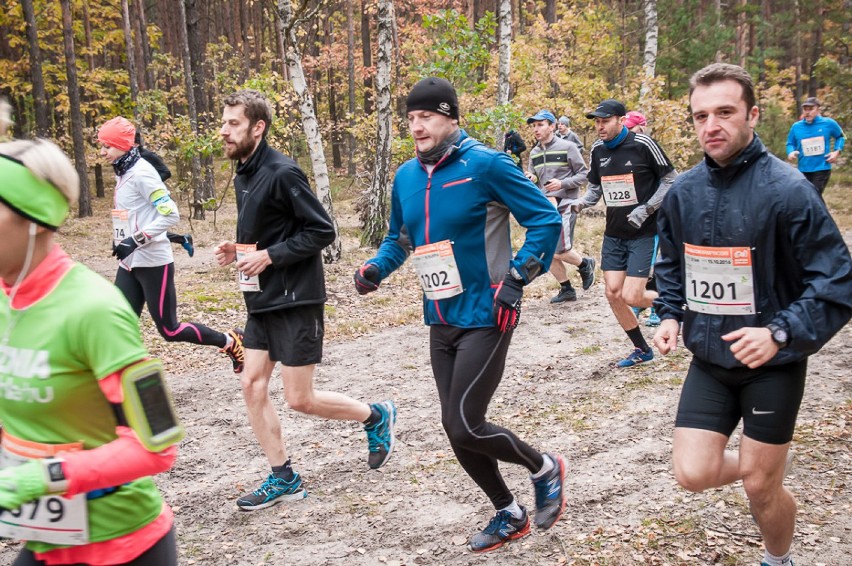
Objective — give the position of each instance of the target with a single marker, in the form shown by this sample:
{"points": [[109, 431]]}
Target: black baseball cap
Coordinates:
{"points": [[811, 101], [607, 108]]}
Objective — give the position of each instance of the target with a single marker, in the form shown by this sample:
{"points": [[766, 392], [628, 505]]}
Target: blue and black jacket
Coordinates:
{"points": [[467, 199]]}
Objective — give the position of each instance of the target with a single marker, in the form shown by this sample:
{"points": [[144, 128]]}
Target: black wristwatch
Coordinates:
{"points": [[779, 335], [55, 479]]}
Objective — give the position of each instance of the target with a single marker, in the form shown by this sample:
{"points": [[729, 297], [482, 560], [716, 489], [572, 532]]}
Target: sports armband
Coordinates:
{"points": [[148, 407]]}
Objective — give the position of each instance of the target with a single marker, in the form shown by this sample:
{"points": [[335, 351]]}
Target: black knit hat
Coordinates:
{"points": [[435, 95]]}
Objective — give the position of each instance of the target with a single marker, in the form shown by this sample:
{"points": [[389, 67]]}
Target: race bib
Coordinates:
{"points": [[719, 280], [120, 225], [436, 268], [813, 146], [247, 284], [619, 190], [52, 519]]}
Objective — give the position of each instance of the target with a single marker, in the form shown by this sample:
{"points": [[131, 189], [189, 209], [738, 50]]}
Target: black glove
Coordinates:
{"points": [[124, 248], [367, 279], [507, 303]]}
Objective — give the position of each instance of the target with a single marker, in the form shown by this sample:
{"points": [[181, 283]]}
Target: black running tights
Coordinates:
{"points": [[468, 366], [163, 553], [156, 287]]}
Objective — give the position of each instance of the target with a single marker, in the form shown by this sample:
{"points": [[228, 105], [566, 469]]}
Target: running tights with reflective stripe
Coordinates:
{"points": [[156, 287], [468, 366], [163, 553]]}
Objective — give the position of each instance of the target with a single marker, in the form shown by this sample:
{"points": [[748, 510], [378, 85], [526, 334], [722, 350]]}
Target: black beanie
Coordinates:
{"points": [[435, 95]]}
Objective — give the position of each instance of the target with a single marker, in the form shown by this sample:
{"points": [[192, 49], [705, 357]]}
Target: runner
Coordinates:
{"points": [[809, 142], [146, 270], [185, 240], [761, 296], [453, 200], [565, 132], [633, 174], [514, 145], [281, 231], [77, 448], [558, 169], [636, 123]]}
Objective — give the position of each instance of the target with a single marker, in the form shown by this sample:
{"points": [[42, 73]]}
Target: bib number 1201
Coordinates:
{"points": [[714, 290]]}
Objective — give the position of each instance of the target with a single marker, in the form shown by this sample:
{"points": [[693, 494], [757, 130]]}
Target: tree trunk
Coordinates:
{"points": [[192, 110], [649, 65], [550, 11], [816, 53], [350, 81], [375, 216], [366, 52], [336, 142], [42, 112], [84, 203], [131, 58], [99, 181], [505, 48], [205, 189], [309, 121], [148, 73]]}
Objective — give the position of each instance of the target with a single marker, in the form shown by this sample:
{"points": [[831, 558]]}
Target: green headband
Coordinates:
{"points": [[29, 196]]}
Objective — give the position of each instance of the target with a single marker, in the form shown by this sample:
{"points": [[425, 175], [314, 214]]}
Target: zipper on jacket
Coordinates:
{"points": [[426, 223]]}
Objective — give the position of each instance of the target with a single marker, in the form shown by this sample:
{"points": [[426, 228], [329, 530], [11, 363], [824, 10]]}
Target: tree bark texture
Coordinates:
{"points": [[42, 112], [505, 49], [649, 65]]}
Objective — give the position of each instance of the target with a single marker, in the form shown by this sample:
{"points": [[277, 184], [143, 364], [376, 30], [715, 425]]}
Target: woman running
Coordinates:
{"points": [[77, 453], [143, 213]]}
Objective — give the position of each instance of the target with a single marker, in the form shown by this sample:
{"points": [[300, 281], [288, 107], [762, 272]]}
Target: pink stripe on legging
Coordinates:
{"points": [[182, 325]]}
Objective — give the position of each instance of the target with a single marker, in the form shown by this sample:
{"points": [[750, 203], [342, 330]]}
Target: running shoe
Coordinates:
{"points": [[380, 438], [637, 312], [550, 494], [187, 244], [653, 318], [588, 274], [565, 294], [235, 350], [502, 528], [637, 356], [272, 491]]}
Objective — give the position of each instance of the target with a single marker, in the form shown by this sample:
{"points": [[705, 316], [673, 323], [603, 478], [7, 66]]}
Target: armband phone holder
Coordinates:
{"points": [[148, 406]]}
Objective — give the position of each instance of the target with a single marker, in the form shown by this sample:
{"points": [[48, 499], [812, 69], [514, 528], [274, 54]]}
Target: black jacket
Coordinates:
{"points": [[801, 266], [278, 211], [514, 143]]}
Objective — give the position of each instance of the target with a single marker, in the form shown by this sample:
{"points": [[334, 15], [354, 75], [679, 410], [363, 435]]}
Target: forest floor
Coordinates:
{"points": [[560, 393]]}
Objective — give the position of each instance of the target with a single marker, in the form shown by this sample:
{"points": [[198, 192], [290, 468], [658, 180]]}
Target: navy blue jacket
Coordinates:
{"points": [[467, 199], [801, 265]]}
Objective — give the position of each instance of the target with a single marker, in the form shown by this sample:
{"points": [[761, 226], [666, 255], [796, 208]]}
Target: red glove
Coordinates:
{"points": [[507, 303]]}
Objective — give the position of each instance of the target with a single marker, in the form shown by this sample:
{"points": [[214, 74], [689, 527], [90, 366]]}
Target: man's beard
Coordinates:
{"points": [[242, 149]]}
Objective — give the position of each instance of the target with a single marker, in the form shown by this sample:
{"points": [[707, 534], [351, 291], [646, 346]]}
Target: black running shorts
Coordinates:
{"points": [[632, 256], [291, 336], [767, 399]]}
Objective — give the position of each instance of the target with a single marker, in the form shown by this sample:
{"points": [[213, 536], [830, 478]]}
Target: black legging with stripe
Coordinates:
{"points": [[468, 366], [156, 287]]}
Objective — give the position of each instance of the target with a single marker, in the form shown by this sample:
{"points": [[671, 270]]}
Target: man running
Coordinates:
{"points": [[565, 132], [633, 174], [809, 142], [143, 211], [766, 278], [558, 169], [453, 201], [281, 231]]}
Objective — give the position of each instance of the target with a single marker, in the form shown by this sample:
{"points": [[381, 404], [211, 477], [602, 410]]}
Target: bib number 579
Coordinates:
{"points": [[50, 509]]}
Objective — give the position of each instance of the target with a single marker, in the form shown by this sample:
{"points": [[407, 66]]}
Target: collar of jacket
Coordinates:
{"points": [[255, 160], [456, 150], [752, 152]]}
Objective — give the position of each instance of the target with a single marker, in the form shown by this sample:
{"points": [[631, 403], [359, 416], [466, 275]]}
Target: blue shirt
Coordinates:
{"points": [[817, 142]]}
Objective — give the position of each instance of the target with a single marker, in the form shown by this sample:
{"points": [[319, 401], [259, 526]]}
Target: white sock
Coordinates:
{"points": [[514, 509], [228, 340], [546, 467], [771, 560]]}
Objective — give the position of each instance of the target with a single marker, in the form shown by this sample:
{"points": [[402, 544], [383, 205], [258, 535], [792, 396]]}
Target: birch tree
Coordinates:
{"points": [[649, 65], [505, 49], [289, 22], [375, 216]]}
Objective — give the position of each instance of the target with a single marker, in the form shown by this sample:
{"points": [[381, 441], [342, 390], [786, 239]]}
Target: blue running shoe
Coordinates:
{"points": [[637, 356], [380, 438], [637, 312], [273, 490], [502, 528], [550, 494], [653, 318], [187, 244]]}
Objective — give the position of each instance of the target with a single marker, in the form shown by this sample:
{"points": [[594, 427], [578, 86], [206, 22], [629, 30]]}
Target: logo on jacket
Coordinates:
{"points": [[463, 161], [628, 164], [605, 161]]}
